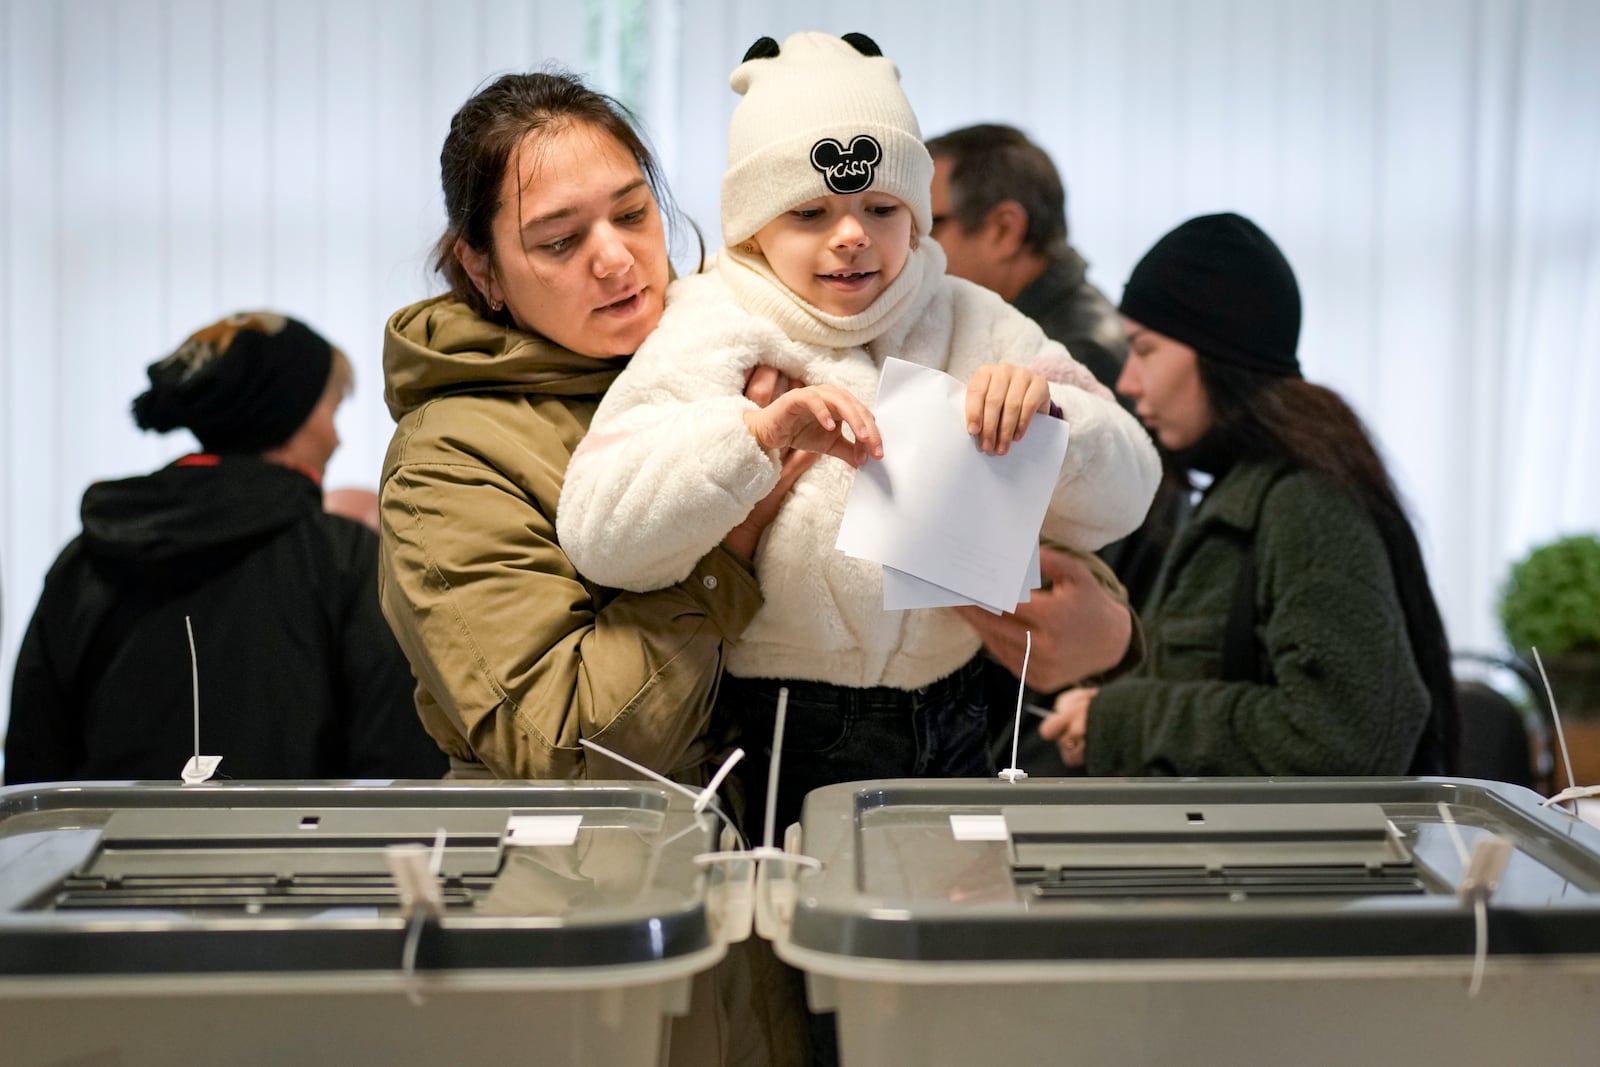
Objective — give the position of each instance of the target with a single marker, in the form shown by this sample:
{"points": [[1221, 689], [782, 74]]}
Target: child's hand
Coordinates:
{"points": [[1002, 399], [812, 419]]}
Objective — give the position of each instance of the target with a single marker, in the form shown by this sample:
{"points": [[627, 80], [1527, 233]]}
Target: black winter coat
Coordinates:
{"points": [[299, 676]]}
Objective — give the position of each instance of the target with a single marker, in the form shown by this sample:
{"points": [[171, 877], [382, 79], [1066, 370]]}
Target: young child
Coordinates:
{"points": [[826, 269]]}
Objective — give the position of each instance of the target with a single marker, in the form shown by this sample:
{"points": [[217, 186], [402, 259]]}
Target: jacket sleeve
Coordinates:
{"points": [[518, 658], [383, 735], [1111, 469], [44, 737], [668, 466], [1343, 694]]}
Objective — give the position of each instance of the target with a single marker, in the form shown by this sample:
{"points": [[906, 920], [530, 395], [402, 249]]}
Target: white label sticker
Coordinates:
{"points": [[979, 828], [542, 829]]}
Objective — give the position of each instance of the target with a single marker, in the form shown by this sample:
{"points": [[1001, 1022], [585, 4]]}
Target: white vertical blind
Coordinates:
{"points": [[1431, 168]]}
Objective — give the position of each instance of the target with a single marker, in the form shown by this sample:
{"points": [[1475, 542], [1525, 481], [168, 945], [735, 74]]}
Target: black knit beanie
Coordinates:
{"points": [[245, 384], [1218, 284]]}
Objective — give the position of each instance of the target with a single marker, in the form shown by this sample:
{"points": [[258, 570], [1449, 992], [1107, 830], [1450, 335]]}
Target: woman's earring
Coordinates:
{"points": [[496, 305], [748, 248]]}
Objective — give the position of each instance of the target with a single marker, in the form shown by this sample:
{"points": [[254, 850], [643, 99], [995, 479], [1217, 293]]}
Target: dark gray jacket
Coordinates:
{"points": [[1072, 311], [1341, 692]]}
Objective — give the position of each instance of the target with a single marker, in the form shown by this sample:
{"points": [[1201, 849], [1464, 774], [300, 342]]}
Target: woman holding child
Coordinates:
{"points": [[556, 258]]}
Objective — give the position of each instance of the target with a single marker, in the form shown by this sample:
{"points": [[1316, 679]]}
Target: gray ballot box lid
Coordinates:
{"points": [[1185, 869], [126, 878]]}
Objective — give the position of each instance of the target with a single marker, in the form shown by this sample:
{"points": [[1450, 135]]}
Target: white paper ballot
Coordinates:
{"points": [[938, 509], [902, 591]]}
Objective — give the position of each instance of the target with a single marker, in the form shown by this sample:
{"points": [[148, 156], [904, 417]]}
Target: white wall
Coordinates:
{"points": [[1431, 168]]}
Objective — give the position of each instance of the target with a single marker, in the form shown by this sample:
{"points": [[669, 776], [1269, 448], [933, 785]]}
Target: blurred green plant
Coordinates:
{"points": [[1552, 599]]}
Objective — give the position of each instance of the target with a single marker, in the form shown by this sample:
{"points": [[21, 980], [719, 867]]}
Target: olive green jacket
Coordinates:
{"points": [[516, 655], [1340, 691]]}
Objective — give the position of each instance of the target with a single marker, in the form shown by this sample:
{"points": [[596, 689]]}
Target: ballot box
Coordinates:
{"points": [[264, 924], [1100, 921]]}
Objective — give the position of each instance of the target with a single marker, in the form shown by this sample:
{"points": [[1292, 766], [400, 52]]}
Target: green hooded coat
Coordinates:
{"points": [[516, 655]]}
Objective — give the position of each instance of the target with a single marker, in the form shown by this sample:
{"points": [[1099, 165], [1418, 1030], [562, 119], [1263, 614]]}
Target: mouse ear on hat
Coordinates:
{"points": [[861, 43], [764, 48]]}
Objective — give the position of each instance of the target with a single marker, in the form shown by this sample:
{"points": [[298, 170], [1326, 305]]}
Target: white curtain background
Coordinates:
{"points": [[1430, 167]]}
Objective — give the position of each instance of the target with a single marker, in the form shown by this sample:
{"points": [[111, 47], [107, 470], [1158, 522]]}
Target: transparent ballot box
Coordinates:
{"points": [[1101, 921], [353, 923]]}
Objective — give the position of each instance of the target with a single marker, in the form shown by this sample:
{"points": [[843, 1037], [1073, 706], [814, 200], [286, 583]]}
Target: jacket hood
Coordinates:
{"points": [[441, 346], [184, 513]]}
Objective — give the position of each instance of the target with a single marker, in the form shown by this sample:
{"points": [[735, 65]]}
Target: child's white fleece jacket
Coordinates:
{"points": [[669, 466]]}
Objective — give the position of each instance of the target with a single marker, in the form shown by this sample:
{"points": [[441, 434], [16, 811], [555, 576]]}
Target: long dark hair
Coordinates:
{"points": [[484, 134], [1264, 417]]}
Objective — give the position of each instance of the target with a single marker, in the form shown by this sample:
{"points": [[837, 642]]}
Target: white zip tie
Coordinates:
{"points": [[1576, 792], [194, 677], [1561, 736], [641, 768], [199, 768], [772, 771], [416, 879], [408, 957], [1014, 773], [760, 852], [1480, 941], [708, 792], [1480, 877]]}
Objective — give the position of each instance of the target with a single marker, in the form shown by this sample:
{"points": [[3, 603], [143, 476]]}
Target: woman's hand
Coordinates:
{"points": [[812, 419], [1002, 400], [743, 538], [1079, 629], [1068, 727], [763, 385]]}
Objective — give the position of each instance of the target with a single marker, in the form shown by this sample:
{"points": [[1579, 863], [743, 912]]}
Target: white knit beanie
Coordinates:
{"points": [[820, 115]]}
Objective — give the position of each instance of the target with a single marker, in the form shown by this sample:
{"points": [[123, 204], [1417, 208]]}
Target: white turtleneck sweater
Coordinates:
{"points": [[669, 466]]}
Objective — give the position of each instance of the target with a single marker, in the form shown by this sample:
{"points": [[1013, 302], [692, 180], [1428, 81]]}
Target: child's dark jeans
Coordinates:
{"points": [[837, 734]]}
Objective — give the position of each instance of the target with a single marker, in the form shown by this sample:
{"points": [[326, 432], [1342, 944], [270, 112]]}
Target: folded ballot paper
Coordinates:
{"points": [[950, 524]]}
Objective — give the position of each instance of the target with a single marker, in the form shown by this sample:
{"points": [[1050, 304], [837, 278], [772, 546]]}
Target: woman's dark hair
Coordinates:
{"points": [[1266, 417], [483, 136]]}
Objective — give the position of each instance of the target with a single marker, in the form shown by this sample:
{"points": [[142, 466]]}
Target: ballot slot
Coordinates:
{"points": [[291, 858], [1230, 851]]}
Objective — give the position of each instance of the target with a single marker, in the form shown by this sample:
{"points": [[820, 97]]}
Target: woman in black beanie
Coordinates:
{"points": [[1292, 630], [299, 676]]}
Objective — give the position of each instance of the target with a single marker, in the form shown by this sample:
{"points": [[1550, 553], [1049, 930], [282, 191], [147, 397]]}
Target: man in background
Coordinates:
{"points": [[1000, 214]]}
